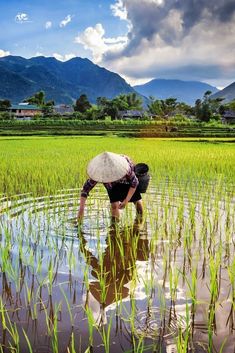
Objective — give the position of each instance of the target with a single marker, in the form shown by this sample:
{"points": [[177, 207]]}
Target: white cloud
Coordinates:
{"points": [[4, 53], [172, 26], [22, 17], [156, 2], [204, 54], [65, 57], [38, 53], [133, 81], [48, 24], [66, 21], [93, 39], [119, 10]]}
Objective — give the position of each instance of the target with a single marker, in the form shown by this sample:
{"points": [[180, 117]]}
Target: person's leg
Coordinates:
{"points": [[139, 216], [139, 208], [139, 212], [115, 211]]}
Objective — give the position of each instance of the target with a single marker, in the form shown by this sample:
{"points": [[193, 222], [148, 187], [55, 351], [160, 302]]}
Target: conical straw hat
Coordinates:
{"points": [[108, 167]]}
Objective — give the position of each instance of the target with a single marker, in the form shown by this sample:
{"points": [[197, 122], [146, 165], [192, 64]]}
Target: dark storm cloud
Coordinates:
{"points": [[147, 17], [226, 12], [184, 39], [194, 10]]}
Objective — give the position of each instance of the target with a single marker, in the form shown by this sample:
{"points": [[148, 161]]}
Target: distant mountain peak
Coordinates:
{"points": [[184, 91], [228, 93]]}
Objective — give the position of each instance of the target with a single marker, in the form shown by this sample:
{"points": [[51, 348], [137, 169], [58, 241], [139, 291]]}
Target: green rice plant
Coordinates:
{"points": [[3, 313], [50, 277], [183, 338], [72, 349], [87, 310], [47, 319], [28, 342], [211, 326], [72, 259], [28, 295], [13, 332], [5, 255], [222, 345], [173, 281], [231, 275], [132, 318], [91, 324], [68, 307], [214, 264], [105, 332], [54, 341]]}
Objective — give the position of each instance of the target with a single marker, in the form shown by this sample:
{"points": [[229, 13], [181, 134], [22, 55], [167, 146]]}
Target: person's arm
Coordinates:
{"points": [[87, 187], [81, 209], [134, 182], [128, 197]]}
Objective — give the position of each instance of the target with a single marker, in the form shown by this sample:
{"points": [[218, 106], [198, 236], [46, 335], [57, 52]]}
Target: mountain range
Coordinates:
{"points": [[228, 93], [184, 91], [64, 82]]}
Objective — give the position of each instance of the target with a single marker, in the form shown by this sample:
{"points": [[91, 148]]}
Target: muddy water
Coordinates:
{"points": [[63, 286]]}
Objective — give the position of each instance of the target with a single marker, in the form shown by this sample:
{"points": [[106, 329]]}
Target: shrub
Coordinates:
{"points": [[5, 116], [179, 118], [108, 119]]}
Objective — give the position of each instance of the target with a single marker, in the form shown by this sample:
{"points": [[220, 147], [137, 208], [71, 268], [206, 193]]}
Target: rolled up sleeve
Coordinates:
{"points": [[134, 182], [87, 187]]}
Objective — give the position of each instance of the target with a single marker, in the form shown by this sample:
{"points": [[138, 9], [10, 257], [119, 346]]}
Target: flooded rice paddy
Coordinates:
{"points": [[162, 284]]}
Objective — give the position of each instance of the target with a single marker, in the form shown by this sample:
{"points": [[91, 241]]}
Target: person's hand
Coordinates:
{"points": [[123, 204]]}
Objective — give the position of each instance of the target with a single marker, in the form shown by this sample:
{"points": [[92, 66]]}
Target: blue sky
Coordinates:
{"points": [[139, 39], [27, 35]]}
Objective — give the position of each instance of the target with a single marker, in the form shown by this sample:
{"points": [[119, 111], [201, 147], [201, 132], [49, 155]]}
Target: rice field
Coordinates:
{"points": [[165, 283]]}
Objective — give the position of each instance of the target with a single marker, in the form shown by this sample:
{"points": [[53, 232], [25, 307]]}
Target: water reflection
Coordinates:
{"points": [[115, 267], [166, 281]]}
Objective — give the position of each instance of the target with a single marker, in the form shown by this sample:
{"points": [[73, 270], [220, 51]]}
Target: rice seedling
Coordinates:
{"points": [[28, 342]]}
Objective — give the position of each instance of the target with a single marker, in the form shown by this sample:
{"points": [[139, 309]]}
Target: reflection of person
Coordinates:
{"points": [[115, 269], [117, 174]]}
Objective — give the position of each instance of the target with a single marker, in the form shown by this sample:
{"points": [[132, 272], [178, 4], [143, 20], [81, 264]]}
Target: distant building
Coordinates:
{"points": [[25, 110], [228, 117], [63, 109], [130, 114]]}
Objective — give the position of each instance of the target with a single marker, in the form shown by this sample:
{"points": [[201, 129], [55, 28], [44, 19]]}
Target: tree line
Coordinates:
{"points": [[205, 109]]}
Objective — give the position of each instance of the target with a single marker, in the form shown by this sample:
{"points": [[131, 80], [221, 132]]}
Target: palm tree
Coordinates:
{"points": [[134, 101], [38, 99], [155, 106]]}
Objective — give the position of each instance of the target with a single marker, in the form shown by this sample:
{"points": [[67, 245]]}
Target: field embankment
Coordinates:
{"points": [[118, 128]]}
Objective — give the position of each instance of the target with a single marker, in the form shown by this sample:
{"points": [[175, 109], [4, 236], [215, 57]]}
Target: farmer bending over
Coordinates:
{"points": [[117, 174]]}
